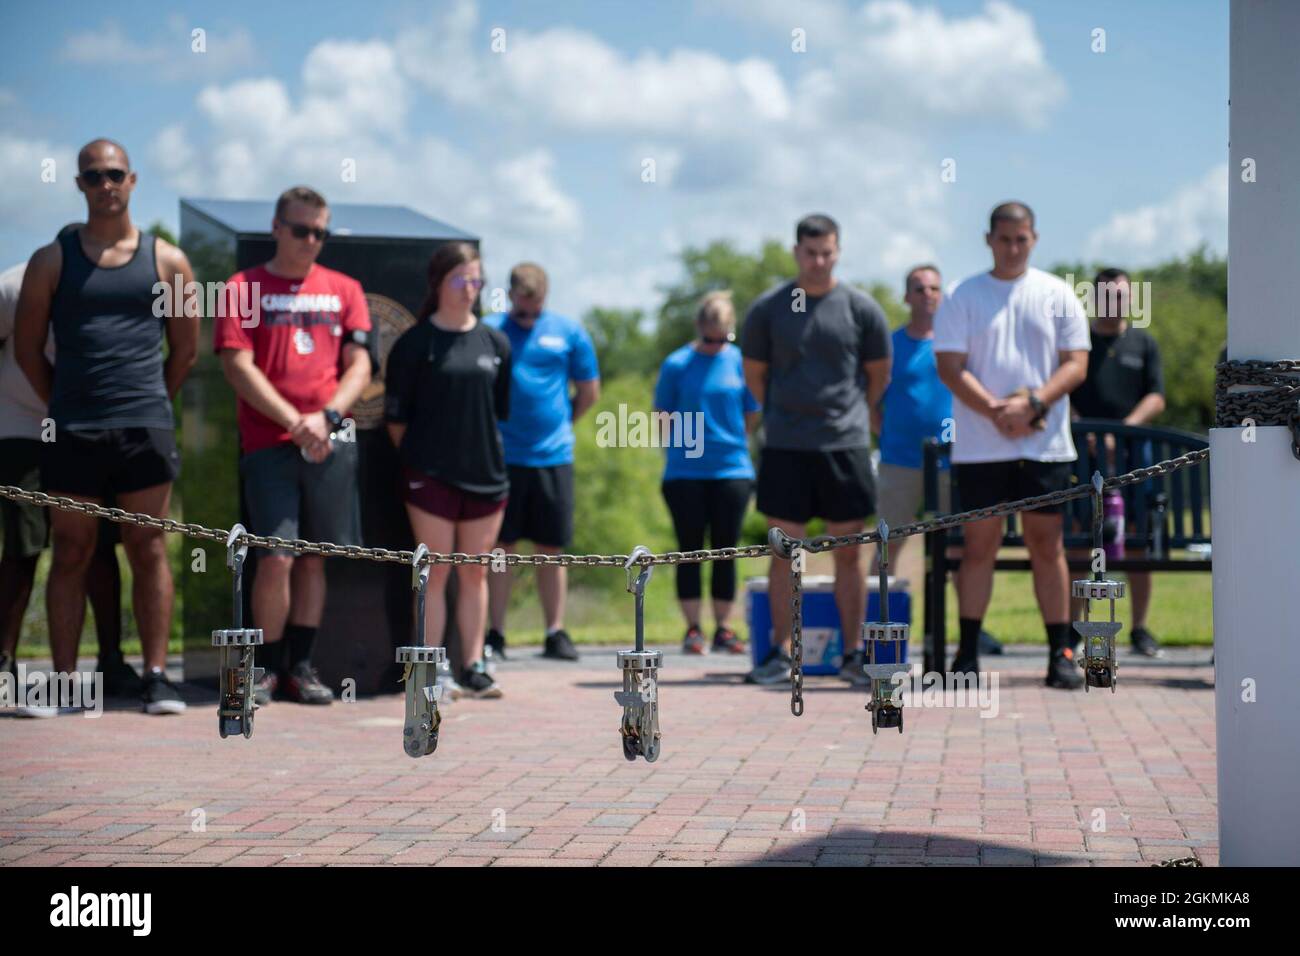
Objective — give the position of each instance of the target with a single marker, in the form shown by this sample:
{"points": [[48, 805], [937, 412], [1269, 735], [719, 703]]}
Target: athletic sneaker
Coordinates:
{"points": [[727, 641], [477, 682], [693, 642], [303, 686], [265, 688], [1144, 642], [1062, 671], [120, 678], [559, 646], [851, 669], [774, 670], [965, 665], [450, 689], [159, 695], [988, 644], [497, 642]]}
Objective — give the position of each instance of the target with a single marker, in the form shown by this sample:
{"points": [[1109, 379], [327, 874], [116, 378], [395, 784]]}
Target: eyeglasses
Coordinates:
{"points": [[299, 231], [460, 282], [93, 177], [730, 337]]}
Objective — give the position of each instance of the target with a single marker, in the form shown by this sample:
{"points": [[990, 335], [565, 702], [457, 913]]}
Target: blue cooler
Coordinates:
{"points": [[823, 645]]}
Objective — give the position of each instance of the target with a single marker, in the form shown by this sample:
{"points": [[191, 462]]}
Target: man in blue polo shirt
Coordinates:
{"points": [[549, 351]]}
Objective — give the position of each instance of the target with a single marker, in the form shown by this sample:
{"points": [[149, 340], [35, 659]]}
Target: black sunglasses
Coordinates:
{"points": [[93, 177], [300, 231], [521, 314]]}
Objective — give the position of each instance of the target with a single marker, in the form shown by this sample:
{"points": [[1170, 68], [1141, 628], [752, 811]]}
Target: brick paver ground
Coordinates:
{"points": [[538, 778]]}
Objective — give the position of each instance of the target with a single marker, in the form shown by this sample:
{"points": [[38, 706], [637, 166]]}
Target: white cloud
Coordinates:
{"points": [[892, 59], [574, 80], [27, 201], [173, 55], [1197, 213]]}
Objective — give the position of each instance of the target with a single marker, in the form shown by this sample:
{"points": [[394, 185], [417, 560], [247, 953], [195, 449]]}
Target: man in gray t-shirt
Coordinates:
{"points": [[817, 353]]}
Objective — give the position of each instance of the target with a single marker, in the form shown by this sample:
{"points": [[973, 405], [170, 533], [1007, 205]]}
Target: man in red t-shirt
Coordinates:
{"points": [[292, 342]]}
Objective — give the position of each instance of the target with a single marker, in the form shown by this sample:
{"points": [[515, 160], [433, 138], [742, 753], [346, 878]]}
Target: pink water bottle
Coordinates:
{"points": [[1112, 529]]}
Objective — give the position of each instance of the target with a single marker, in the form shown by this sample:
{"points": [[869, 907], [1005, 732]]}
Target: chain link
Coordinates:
{"points": [[796, 631], [1274, 398], [357, 553]]}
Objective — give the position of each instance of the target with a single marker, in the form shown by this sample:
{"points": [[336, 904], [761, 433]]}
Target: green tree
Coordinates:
{"points": [[622, 346], [719, 265], [162, 232]]}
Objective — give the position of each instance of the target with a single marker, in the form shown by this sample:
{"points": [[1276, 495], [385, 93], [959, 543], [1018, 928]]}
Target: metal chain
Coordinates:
{"points": [[354, 552], [1275, 399], [796, 632]]}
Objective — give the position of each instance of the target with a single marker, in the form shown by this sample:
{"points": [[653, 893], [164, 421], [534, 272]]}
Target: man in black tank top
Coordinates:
{"points": [[110, 427]]}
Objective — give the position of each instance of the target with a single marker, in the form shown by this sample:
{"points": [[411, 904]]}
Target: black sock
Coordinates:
{"points": [[1059, 636], [270, 657], [299, 637], [970, 637]]}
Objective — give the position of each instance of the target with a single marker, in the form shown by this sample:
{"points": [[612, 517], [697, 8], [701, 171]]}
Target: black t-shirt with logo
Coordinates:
{"points": [[1122, 370], [450, 389]]}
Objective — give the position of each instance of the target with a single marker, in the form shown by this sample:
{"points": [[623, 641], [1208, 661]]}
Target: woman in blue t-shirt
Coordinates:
{"points": [[708, 477]]}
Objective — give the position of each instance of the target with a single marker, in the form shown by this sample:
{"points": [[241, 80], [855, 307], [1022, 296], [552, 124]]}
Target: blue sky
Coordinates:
{"points": [[540, 147]]}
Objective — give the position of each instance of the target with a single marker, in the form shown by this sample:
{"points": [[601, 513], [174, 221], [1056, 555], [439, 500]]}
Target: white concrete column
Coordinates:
{"points": [[1256, 485]]}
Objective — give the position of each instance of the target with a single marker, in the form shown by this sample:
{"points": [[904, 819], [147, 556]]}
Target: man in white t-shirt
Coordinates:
{"points": [[1011, 344]]}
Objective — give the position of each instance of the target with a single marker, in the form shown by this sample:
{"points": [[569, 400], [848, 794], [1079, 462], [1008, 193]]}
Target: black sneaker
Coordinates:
{"points": [[159, 695], [851, 669], [988, 644], [304, 686], [965, 665], [1145, 643], [1063, 671], [497, 642], [9, 665], [477, 682], [120, 678], [265, 688], [559, 646], [774, 670]]}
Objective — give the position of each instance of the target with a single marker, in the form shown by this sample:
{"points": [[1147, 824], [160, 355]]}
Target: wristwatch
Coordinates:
{"points": [[1036, 403], [334, 418]]}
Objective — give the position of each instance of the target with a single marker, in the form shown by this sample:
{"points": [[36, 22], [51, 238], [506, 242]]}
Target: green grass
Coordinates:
{"points": [[1180, 612]]}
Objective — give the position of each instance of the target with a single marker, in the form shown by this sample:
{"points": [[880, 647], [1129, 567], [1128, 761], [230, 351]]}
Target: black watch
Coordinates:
{"points": [[1037, 405], [334, 418]]}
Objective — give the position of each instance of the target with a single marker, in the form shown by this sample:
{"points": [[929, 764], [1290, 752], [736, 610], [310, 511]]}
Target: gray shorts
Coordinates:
{"points": [[288, 497], [901, 493]]}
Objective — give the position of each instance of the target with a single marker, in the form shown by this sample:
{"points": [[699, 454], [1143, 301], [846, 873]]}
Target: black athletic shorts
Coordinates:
{"points": [[799, 485], [97, 464], [540, 508], [987, 483]]}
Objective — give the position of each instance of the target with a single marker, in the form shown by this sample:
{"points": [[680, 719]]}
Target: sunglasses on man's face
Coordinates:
{"points": [[93, 177], [299, 231], [460, 282]]}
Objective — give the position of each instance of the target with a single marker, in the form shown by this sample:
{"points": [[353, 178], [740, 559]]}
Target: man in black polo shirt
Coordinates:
{"points": [[1124, 383]]}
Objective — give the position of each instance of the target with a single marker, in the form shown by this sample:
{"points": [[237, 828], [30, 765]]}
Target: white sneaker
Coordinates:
{"points": [[450, 689]]}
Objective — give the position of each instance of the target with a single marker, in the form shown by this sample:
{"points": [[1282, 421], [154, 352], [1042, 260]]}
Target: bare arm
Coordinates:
{"points": [[251, 384], [751, 421], [965, 387], [756, 378], [878, 373], [395, 431], [355, 378], [1146, 410], [32, 318], [183, 319], [585, 395], [1016, 412]]}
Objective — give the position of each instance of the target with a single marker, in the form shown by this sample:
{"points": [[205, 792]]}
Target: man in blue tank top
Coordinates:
{"points": [[110, 429]]}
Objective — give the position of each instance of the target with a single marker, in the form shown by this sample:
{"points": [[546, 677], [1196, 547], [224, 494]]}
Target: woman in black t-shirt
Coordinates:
{"points": [[447, 384]]}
